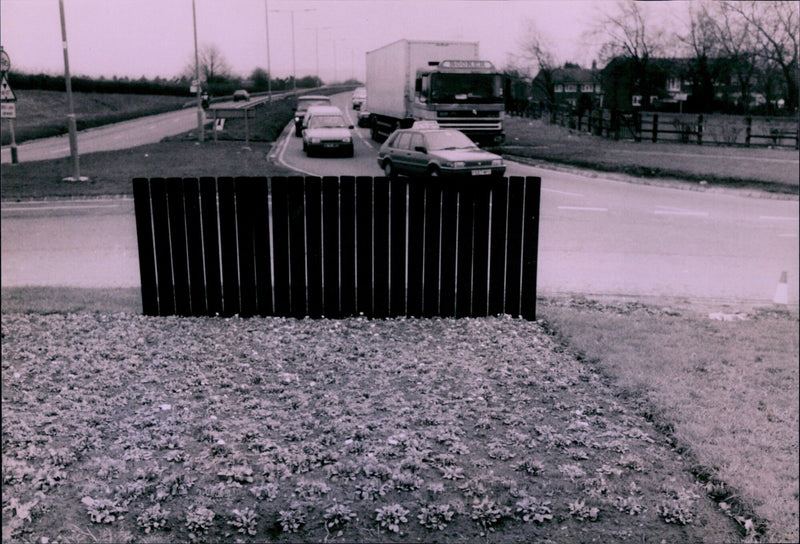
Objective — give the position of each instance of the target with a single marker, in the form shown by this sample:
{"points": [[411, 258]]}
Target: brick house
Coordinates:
{"points": [[570, 87]]}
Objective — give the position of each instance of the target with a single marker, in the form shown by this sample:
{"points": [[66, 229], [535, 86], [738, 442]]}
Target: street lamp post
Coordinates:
{"points": [[73, 132], [200, 115], [269, 68], [294, 67]]}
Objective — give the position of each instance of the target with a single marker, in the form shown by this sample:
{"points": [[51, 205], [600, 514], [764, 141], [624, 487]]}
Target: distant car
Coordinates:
{"points": [[359, 97], [241, 94], [303, 103], [363, 116], [428, 150], [325, 129]]}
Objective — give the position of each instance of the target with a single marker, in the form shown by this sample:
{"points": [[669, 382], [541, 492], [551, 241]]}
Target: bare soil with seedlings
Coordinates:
{"points": [[125, 428]]}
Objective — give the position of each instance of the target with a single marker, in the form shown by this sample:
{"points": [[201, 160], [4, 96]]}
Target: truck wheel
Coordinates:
{"points": [[373, 128]]}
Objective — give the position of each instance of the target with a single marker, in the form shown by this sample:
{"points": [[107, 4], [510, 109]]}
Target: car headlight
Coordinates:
{"points": [[314, 140], [454, 164], [296, 119], [497, 162], [346, 140]]}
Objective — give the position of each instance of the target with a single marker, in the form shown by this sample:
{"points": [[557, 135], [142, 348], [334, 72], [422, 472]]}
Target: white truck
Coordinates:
{"points": [[446, 82]]}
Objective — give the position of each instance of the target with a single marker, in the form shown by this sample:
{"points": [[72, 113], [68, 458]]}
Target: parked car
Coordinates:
{"points": [[325, 129], [303, 103], [241, 94], [359, 97], [426, 149]]}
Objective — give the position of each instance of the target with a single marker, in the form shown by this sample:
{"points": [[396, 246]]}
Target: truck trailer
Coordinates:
{"points": [[446, 82]]}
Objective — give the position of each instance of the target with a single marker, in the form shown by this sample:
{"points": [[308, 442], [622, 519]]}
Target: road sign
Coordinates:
{"points": [[8, 110], [6, 94], [5, 62]]}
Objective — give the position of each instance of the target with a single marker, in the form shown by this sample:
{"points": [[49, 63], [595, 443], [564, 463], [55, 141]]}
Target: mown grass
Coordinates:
{"points": [[727, 391]]}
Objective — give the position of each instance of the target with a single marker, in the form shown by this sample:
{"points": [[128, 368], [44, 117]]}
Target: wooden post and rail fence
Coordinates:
{"points": [[338, 246]]}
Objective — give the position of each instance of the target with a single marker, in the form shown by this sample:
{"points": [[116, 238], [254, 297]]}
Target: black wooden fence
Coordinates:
{"points": [[337, 246]]}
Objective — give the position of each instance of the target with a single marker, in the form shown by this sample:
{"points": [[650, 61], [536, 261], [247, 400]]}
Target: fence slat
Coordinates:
{"points": [[177, 235], [297, 247], [416, 246], [516, 188], [433, 204], [330, 241], [313, 187], [166, 295], [480, 251], [194, 246], [497, 259], [533, 186], [397, 195], [347, 247], [243, 187], [464, 256], [280, 237], [211, 251], [447, 279], [144, 235], [259, 208], [228, 242], [381, 248], [364, 256]]}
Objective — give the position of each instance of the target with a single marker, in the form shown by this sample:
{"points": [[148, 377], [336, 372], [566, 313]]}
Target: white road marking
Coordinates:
{"points": [[778, 218], [37, 208], [788, 235], [561, 192], [583, 208], [358, 132], [285, 145], [669, 210]]}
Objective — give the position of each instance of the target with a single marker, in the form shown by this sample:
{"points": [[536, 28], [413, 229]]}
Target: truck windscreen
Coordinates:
{"points": [[471, 88]]}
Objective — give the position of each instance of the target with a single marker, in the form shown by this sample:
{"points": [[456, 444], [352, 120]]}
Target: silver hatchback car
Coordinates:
{"points": [[428, 150]]}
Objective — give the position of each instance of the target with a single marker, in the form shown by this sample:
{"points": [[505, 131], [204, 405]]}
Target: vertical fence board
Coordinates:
{"points": [[194, 246], [480, 252], [464, 255], [211, 251], [497, 263], [447, 281], [330, 241], [297, 247], [397, 272], [166, 295], [227, 234], [280, 238], [516, 187], [381, 247], [259, 207], [416, 246], [433, 202], [314, 245], [347, 247], [530, 247], [244, 188], [177, 235], [144, 235], [364, 254]]}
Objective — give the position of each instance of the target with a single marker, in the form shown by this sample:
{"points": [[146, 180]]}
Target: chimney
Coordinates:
{"points": [[594, 65]]}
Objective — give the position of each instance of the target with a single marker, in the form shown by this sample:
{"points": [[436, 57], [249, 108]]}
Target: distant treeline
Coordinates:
{"points": [[157, 86]]}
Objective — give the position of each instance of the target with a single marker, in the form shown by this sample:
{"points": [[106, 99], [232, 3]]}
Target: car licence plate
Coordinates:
{"points": [[331, 145], [481, 172]]}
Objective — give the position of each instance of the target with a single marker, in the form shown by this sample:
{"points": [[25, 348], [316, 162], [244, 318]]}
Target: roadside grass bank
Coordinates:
{"points": [[142, 429], [723, 394], [772, 171], [41, 114]]}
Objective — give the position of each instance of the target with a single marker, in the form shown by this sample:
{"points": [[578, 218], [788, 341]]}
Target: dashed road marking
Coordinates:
{"points": [[583, 208], [668, 210]]}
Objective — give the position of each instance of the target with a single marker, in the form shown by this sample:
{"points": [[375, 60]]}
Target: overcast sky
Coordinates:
{"points": [[155, 37]]}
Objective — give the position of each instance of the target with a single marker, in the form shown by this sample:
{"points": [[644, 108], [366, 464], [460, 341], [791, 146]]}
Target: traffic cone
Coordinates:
{"points": [[782, 291]]}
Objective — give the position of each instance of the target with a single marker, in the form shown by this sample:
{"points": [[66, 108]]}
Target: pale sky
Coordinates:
{"points": [[155, 37]]}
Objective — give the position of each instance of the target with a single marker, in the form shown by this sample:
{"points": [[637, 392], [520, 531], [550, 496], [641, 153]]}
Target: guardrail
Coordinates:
{"points": [[338, 246]]}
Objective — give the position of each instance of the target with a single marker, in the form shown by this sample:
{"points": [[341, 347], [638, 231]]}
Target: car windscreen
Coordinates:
{"points": [[447, 139], [326, 121]]}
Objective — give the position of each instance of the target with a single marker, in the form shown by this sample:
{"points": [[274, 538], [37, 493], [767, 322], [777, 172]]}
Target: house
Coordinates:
{"points": [[570, 87]]}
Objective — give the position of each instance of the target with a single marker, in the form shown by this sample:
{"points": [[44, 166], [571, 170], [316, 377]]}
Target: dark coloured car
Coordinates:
{"points": [[241, 95], [303, 103], [428, 150], [359, 97]]}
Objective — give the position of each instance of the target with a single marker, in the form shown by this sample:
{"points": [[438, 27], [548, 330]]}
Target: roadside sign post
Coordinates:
{"points": [[8, 103]]}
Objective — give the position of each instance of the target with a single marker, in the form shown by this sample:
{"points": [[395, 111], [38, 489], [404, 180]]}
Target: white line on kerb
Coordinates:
{"points": [[583, 208]]}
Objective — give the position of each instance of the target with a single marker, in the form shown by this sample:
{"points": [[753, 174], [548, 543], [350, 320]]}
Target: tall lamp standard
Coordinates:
{"points": [[269, 68], [294, 66], [316, 44], [200, 115], [73, 133]]}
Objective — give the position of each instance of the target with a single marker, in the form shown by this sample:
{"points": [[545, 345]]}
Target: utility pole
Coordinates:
{"points": [[200, 113], [269, 68], [73, 132], [294, 66]]}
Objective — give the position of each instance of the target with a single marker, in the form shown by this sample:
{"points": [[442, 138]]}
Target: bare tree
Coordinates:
{"points": [[212, 64], [537, 51], [776, 30], [701, 40], [628, 33]]}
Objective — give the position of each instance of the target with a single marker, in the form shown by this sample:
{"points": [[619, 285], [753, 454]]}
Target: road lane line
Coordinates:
{"points": [[778, 218], [583, 208], [561, 192], [679, 212], [37, 208]]}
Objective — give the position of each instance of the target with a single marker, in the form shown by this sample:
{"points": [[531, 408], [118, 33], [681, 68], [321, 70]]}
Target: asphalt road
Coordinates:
{"points": [[597, 236]]}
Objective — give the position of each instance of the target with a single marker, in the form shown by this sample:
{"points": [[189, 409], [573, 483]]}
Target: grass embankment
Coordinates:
{"points": [[44, 113], [760, 169]]}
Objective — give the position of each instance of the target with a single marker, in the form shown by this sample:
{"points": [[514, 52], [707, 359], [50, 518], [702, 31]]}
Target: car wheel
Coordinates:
{"points": [[388, 169]]}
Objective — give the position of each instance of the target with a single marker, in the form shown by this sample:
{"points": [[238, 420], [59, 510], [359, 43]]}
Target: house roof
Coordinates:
{"points": [[575, 75]]}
